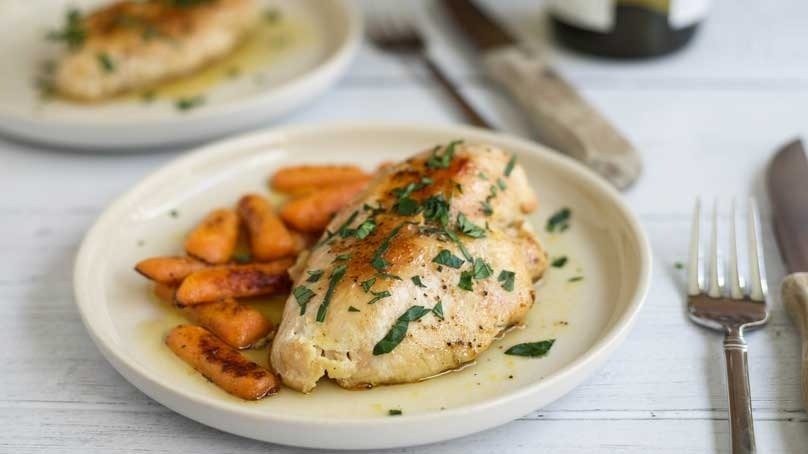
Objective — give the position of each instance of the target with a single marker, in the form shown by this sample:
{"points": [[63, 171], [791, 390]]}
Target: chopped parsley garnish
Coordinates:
{"points": [[368, 284], [271, 15], [174, 213], [105, 62], [445, 257], [344, 231], [481, 270], [482, 176], [559, 262], [506, 279], [399, 330], [509, 166], [679, 265], [148, 96], [501, 184], [336, 276], [190, 103], [314, 275], [438, 310], [436, 209], [394, 412], [378, 262], [242, 257], [469, 228], [406, 206], [353, 309], [466, 282], [531, 349], [560, 221], [73, 33], [365, 229], [575, 279], [459, 244], [417, 281], [442, 161], [303, 295], [379, 295], [342, 258], [388, 276], [485, 207]]}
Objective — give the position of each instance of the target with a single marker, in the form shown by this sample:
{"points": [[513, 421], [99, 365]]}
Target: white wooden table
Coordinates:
{"points": [[706, 120]]}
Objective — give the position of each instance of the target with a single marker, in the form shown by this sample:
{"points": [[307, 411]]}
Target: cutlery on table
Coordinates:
{"points": [[787, 181], [400, 35], [563, 119], [730, 304]]}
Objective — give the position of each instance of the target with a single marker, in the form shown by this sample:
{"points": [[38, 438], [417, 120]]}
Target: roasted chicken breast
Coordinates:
{"points": [[418, 275], [133, 44]]}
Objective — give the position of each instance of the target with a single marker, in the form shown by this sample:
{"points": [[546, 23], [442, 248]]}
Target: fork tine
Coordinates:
{"points": [[735, 280], [716, 268], [695, 278], [757, 278]]}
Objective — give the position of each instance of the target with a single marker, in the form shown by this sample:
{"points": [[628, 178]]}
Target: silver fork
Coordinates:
{"points": [[397, 33], [730, 305]]}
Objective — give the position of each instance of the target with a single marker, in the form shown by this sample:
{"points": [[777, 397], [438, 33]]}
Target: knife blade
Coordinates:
{"points": [[561, 117], [787, 182], [788, 190]]}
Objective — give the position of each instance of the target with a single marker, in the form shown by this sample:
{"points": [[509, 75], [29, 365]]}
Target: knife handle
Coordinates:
{"points": [[795, 299], [562, 118]]}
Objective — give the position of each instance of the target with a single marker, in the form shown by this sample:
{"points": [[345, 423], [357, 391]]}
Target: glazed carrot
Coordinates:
{"points": [[312, 213], [298, 179], [214, 239], [168, 270], [220, 363], [238, 325], [269, 238], [303, 240], [165, 292], [234, 281]]}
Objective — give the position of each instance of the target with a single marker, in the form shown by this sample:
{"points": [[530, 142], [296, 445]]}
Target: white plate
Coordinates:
{"points": [[321, 38], [589, 318]]}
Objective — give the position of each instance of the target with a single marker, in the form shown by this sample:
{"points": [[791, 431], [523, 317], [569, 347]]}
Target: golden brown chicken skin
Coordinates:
{"points": [[133, 44], [417, 276]]}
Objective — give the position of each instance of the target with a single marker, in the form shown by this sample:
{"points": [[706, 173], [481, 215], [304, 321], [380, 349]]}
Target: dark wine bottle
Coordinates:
{"points": [[626, 28]]}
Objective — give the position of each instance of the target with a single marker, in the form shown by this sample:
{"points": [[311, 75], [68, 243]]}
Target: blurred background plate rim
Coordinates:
{"points": [[210, 121]]}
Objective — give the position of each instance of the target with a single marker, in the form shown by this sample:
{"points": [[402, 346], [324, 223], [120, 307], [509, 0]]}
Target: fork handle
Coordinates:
{"points": [[471, 114], [795, 300], [742, 430]]}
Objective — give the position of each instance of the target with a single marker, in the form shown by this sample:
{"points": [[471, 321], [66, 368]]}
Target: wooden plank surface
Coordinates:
{"points": [[706, 120]]}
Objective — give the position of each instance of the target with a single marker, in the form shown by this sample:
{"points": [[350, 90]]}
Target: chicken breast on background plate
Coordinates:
{"points": [[133, 44], [417, 276]]}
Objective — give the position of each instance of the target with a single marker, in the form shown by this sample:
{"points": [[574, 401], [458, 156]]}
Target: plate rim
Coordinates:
{"points": [[317, 79], [592, 358]]}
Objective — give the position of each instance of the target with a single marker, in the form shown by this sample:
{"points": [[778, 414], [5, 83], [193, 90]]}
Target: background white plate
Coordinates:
{"points": [[329, 32], [589, 318]]}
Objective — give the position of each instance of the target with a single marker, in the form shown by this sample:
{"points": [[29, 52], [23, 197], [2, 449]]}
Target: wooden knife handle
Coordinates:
{"points": [[562, 118], [795, 299]]}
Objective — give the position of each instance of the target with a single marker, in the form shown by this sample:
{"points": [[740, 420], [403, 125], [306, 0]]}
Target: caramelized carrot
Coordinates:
{"points": [[234, 281], [220, 363], [214, 239], [312, 213], [238, 325], [269, 238], [168, 270], [165, 292], [299, 179]]}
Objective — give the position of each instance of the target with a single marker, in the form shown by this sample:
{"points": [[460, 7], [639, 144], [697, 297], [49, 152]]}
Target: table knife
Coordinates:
{"points": [[787, 181], [561, 117]]}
